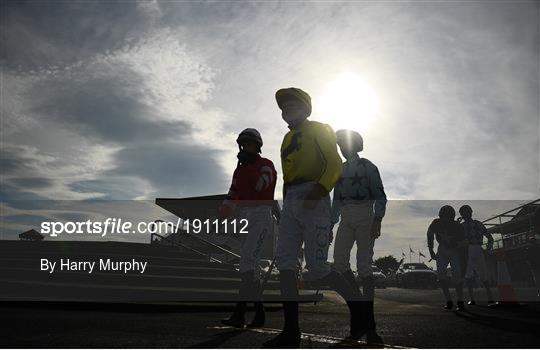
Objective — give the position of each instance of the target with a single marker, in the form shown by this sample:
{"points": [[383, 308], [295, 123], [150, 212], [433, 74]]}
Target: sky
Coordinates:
{"points": [[134, 100]]}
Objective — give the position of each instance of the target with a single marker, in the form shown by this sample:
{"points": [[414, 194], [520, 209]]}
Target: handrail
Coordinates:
{"points": [[178, 229], [166, 238], [509, 211], [182, 211], [208, 242], [499, 243]]}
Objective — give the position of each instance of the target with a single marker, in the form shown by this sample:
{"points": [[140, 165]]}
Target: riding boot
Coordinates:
{"points": [[349, 277], [259, 319], [369, 294], [446, 291], [260, 316], [290, 336], [353, 297], [459, 294], [470, 286], [488, 292], [237, 319], [368, 284]]}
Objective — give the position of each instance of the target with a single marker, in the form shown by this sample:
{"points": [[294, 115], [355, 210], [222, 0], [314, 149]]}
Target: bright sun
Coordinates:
{"points": [[348, 102]]}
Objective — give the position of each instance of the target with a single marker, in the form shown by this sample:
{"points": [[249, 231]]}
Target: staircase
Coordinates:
{"points": [[173, 274]]}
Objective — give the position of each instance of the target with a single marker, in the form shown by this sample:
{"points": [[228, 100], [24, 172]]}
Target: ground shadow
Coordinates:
{"points": [[500, 322], [217, 340]]}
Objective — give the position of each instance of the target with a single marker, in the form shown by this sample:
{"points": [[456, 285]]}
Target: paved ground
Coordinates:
{"points": [[408, 318]]}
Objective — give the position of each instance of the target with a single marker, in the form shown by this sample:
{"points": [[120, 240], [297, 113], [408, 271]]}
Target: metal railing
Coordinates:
{"points": [[517, 240], [179, 231], [507, 214], [177, 243]]}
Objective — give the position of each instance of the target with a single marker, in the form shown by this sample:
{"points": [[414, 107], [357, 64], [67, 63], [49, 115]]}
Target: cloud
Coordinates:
{"points": [[100, 108], [150, 8], [441, 99], [93, 113], [56, 34], [113, 187], [32, 182], [443, 109], [55, 170], [124, 100], [174, 169]]}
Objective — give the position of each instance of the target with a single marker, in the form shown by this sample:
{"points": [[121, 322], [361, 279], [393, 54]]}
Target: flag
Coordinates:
{"points": [[420, 253], [410, 249], [402, 254]]}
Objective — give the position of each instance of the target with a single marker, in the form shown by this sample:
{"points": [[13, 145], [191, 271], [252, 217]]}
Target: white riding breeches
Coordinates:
{"points": [[259, 225], [308, 226], [355, 226]]}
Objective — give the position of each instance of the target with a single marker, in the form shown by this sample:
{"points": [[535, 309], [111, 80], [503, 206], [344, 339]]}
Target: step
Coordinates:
{"points": [[88, 247], [172, 274], [92, 292], [119, 278]]}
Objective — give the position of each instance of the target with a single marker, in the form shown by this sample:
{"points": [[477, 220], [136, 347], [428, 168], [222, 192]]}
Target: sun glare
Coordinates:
{"points": [[348, 102]]}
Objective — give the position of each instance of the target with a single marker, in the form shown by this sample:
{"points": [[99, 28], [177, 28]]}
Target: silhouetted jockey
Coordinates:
{"points": [[360, 200], [311, 167], [452, 244], [475, 232], [251, 195]]}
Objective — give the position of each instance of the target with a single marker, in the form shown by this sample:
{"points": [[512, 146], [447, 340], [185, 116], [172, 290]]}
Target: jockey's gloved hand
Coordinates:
{"points": [[432, 253], [376, 228]]}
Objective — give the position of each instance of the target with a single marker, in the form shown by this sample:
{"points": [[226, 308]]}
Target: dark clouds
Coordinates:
{"points": [[55, 33], [32, 182], [174, 168], [103, 105], [9, 164], [25, 219], [21, 175], [100, 107], [109, 187], [20, 196]]}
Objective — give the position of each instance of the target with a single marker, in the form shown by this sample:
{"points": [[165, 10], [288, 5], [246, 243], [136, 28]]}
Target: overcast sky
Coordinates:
{"points": [[136, 100]]}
